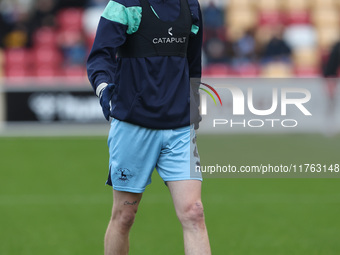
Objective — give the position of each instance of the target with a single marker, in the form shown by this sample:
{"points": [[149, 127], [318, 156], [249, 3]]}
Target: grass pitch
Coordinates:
{"points": [[53, 199]]}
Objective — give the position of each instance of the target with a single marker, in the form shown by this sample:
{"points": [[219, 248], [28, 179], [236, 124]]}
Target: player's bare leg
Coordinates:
{"points": [[186, 196], [124, 209]]}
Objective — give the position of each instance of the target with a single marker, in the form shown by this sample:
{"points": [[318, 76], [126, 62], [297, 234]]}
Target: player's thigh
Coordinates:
{"points": [[179, 156], [185, 194], [125, 202]]}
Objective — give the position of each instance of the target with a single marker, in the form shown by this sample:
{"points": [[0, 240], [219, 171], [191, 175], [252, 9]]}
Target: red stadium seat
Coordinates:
{"points": [[297, 17], [16, 71], [270, 18], [46, 56], [45, 36], [268, 5], [70, 18], [17, 63], [19, 57]]}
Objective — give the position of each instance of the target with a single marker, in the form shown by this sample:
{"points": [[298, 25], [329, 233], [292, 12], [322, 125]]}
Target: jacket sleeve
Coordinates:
{"points": [[194, 56], [116, 22], [194, 52]]}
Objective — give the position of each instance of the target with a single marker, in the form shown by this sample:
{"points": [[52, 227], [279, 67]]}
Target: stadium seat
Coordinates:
{"points": [[240, 20], [44, 37], [296, 5], [294, 17], [269, 5], [277, 70], [270, 17], [19, 57], [70, 18], [47, 62], [46, 56], [240, 3], [316, 4], [296, 11], [325, 17], [17, 63], [244, 17], [17, 71]]}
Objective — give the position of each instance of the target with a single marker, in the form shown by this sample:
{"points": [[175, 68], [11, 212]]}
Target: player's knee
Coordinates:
{"points": [[124, 219], [192, 214]]}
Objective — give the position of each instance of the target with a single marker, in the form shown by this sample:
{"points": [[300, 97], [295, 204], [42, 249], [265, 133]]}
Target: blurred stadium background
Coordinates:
{"points": [[47, 38], [52, 194]]}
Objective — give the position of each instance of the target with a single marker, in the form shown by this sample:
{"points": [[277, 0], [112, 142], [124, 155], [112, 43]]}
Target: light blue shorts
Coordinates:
{"points": [[136, 151]]}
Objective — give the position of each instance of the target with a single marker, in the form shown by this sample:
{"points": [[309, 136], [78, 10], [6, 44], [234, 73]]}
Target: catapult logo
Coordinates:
{"points": [[172, 39], [243, 105]]}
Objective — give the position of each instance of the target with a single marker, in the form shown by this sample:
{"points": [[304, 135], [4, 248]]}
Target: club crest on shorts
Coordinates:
{"points": [[123, 174]]}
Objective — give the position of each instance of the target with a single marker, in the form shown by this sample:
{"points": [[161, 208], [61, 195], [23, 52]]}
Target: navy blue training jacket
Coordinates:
{"points": [[152, 92]]}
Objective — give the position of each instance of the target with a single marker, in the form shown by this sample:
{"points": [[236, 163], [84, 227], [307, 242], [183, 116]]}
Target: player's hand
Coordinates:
{"points": [[105, 96]]}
